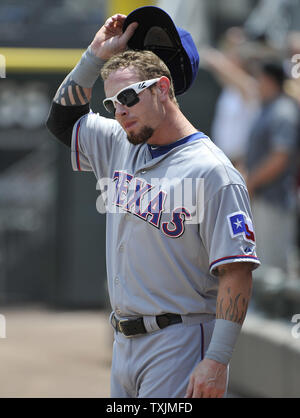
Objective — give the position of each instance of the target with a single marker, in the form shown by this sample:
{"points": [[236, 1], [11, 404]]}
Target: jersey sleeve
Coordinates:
{"points": [[93, 138], [227, 229]]}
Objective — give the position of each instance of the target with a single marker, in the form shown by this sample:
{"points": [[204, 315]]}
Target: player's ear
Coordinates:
{"points": [[163, 87]]}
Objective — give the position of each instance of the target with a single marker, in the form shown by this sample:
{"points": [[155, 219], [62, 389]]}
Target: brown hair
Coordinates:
{"points": [[147, 64]]}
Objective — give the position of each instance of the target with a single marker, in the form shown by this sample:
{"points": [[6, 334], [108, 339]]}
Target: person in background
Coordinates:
{"points": [[271, 159], [238, 102]]}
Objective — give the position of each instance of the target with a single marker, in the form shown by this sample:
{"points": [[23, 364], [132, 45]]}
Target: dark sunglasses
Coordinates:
{"points": [[129, 95]]}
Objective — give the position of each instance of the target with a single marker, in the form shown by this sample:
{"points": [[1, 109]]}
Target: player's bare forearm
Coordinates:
{"points": [[71, 94], [209, 378], [235, 287]]}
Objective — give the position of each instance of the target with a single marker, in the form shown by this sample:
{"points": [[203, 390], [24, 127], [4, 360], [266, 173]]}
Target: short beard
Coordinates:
{"points": [[142, 137]]}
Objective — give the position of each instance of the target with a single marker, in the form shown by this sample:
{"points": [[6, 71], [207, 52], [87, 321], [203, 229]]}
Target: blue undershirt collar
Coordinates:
{"points": [[157, 151]]}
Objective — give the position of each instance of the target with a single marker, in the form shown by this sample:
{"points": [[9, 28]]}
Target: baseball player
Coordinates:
{"points": [[180, 241]]}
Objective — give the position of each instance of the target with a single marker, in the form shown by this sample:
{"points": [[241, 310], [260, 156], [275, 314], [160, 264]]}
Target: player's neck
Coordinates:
{"points": [[174, 127]]}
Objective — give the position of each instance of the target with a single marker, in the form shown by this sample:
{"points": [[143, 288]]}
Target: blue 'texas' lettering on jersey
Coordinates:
{"points": [[140, 189], [175, 228], [155, 209], [152, 214], [122, 182]]}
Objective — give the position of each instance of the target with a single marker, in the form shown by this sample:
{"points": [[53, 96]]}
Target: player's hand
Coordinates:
{"points": [[208, 380], [110, 39]]}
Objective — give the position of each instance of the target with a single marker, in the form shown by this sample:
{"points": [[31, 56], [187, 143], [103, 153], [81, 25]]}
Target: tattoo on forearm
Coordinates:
{"points": [[234, 309], [70, 93]]}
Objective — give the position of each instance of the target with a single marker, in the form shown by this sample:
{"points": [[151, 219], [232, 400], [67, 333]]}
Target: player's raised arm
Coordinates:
{"points": [[72, 98]]}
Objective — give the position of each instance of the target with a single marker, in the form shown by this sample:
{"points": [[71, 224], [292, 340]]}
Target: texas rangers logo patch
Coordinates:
{"points": [[240, 224]]}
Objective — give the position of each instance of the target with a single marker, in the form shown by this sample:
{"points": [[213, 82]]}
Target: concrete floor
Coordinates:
{"points": [[55, 354]]}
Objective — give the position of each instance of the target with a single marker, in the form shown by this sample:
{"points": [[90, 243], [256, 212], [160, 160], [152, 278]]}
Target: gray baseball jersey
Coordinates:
{"points": [[174, 214]]}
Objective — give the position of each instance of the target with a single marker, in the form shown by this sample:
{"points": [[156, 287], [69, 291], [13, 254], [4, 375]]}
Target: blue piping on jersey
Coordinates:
{"points": [[77, 147]]}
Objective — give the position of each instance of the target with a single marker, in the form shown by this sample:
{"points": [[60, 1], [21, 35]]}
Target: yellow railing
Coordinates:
{"points": [[40, 59], [125, 7], [56, 59]]}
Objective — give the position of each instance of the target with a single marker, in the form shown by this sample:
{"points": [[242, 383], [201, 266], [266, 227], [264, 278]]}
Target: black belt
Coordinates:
{"points": [[131, 327]]}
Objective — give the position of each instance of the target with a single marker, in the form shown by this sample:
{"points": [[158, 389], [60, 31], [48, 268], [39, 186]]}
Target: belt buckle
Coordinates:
{"points": [[120, 325]]}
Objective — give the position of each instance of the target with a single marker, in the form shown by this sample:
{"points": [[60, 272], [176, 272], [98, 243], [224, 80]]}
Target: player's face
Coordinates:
{"points": [[141, 120]]}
